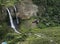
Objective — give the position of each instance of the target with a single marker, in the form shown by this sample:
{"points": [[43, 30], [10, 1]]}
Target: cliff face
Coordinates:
{"points": [[26, 9]]}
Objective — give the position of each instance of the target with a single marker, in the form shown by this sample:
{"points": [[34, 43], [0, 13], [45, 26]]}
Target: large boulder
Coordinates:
{"points": [[26, 9]]}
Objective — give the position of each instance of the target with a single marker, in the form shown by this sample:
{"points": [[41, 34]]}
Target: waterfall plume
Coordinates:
{"points": [[16, 15], [11, 20]]}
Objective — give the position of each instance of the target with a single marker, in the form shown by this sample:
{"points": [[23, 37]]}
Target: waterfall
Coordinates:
{"points": [[16, 15], [11, 21]]}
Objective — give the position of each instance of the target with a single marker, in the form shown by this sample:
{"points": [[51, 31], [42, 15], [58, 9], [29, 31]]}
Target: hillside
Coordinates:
{"points": [[30, 21]]}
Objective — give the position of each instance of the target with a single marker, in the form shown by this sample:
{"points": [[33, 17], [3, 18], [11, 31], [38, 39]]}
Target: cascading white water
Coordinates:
{"points": [[16, 15], [11, 21]]}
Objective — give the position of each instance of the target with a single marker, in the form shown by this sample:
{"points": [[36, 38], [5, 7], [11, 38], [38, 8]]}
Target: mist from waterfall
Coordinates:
{"points": [[11, 20], [16, 15]]}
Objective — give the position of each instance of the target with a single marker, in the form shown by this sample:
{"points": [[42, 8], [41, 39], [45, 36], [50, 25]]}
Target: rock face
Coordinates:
{"points": [[3, 13], [26, 9]]}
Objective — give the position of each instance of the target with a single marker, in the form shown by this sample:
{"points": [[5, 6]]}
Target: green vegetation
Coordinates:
{"points": [[50, 35], [47, 31], [8, 3], [49, 12], [31, 37]]}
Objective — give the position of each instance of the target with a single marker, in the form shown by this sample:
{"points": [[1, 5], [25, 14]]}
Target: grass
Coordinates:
{"points": [[50, 35]]}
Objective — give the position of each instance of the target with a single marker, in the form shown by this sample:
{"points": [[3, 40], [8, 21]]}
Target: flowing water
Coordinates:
{"points": [[11, 21], [16, 15]]}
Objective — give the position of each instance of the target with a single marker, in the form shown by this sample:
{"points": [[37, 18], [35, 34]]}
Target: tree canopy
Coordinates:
{"points": [[8, 2]]}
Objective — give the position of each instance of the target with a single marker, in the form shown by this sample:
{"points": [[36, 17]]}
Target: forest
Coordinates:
{"points": [[29, 21]]}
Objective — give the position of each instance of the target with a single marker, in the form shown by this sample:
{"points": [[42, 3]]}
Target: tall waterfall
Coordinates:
{"points": [[16, 15], [11, 21]]}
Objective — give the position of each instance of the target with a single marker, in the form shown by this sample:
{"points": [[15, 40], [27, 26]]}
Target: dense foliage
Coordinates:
{"points": [[51, 14], [8, 2], [48, 16]]}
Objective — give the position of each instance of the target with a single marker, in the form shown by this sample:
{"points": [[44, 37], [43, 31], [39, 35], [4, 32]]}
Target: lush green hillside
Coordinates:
{"points": [[49, 12], [50, 35], [45, 31]]}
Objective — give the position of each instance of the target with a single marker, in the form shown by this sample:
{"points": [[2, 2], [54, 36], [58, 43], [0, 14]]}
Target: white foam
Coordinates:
{"points": [[11, 21]]}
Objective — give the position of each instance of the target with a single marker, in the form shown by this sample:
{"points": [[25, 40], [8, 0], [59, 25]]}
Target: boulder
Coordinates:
{"points": [[26, 9]]}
